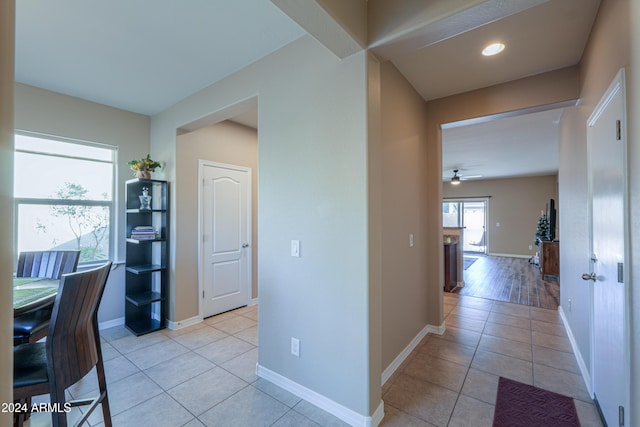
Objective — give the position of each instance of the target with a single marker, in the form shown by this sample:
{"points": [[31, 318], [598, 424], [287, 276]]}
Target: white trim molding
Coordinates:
{"points": [[174, 326], [347, 415], [586, 377], [393, 366], [111, 323]]}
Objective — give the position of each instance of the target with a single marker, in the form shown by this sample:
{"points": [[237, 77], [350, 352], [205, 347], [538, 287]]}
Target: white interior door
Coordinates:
{"points": [[607, 178], [225, 228]]}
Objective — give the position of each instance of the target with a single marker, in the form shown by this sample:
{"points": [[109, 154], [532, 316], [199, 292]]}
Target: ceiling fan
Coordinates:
{"points": [[455, 180]]}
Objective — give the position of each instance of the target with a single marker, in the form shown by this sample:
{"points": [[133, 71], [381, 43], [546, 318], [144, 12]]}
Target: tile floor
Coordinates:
{"points": [[452, 379], [204, 375]]}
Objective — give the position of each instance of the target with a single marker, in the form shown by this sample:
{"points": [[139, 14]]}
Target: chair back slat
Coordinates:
{"points": [[73, 339], [47, 264]]}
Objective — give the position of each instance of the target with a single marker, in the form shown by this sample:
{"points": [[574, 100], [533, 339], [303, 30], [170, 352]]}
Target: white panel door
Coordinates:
{"points": [[607, 154], [225, 205]]}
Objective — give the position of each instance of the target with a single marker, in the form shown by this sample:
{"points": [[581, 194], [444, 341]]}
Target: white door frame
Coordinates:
{"points": [[201, 165], [618, 85]]}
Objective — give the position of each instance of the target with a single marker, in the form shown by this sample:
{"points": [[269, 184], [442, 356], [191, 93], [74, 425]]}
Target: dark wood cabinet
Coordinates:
{"points": [[450, 265], [146, 258], [549, 258]]}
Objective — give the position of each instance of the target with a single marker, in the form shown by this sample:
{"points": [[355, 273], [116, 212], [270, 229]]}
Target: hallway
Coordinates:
{"points": [[451, 380]]}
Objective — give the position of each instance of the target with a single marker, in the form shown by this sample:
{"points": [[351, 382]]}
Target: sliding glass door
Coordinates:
{"points": [[472, 216]]}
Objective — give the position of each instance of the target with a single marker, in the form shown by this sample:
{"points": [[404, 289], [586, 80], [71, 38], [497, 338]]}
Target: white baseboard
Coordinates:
{"points": [[253, 301], [586, 377], [111, 323], [393, 366], [183, 323], [510, 255], [342, 412]]}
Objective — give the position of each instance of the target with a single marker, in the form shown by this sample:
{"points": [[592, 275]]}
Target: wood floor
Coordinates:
{"points": [[512, 280]]}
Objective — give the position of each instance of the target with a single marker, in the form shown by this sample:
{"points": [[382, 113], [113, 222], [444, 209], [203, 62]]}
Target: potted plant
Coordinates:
{"points": [[142, 168]]}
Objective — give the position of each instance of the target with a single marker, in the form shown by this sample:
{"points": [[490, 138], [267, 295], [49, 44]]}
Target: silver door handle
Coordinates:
{"points": [[245, 245], [589, 276]]}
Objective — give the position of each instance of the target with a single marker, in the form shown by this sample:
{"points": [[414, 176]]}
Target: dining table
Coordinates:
{"points": [[31, 293]]}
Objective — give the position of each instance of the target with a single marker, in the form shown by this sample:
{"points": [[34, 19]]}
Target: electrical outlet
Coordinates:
{"points": [[569, 305], [410, 240], [295, 347], [530, 247]]}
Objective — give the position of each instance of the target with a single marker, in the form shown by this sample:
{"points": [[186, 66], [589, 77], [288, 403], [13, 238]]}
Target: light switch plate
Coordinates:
{"points": [[295, 248]]}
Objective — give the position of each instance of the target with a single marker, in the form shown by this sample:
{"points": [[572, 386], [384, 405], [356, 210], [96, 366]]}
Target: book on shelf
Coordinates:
{"points": [[143, 232]]}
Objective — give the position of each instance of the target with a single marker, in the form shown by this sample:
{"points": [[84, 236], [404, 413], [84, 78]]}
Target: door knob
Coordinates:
{"points": [[245, 245], [589, 276]]}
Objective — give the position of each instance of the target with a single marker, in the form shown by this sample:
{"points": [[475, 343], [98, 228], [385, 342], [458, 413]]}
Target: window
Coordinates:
{"points": [[64, 196]]}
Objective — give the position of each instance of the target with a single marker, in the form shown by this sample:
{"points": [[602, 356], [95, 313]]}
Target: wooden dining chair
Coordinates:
{"points": [[71, 350], [47, 264], [32, 325]]}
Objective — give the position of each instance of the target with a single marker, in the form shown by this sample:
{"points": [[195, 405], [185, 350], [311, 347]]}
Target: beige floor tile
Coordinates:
{"points": [[276, 392], [461, 322], [560, 381], [200, 337], [203, 392], [160, 410], [555, 359], [235, 324], [108, 351], [176, 333], [505, 366], [318, 415], [147, 357], [551, 341], [173, 372], [422, 399], [437, 371], [249, 335], [471, 412], [225, 349], [511, 309], [449, 350], [507, 347], [115, 370], [545, 315], [587, 414], [548, 328], [461, 336], [515, 321], [474, 302], [243, 366], [219, 318], [295, 419], [481, 386], [249, 407], [396, 418], [131, 343], [508, 332], [470, 312], [126, 394]]}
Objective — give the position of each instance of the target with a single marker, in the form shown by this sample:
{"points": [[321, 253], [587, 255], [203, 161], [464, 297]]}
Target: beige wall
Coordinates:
{"points": [[225, 142], [607, 51], [515, 203], [404, 202], [543, 89], [312, 187], [7, 49]]}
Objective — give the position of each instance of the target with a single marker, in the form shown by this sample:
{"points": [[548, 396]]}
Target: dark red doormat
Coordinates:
{"points": [[522, 405]]}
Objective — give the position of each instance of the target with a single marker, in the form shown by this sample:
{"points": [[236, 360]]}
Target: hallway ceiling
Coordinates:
{"points": [[146, 55]]}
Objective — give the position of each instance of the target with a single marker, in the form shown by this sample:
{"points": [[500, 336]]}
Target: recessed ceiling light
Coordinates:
{"points": [[493, 49]]}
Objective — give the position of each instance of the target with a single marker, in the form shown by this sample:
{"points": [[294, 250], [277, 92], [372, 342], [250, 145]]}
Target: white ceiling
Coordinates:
{"points": [[146, 55], [521, 145], [142, 55]]}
